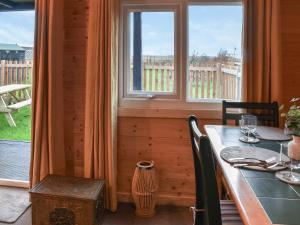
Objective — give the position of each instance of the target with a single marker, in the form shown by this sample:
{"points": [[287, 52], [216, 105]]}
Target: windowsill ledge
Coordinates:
{"points": [[169, 113]]}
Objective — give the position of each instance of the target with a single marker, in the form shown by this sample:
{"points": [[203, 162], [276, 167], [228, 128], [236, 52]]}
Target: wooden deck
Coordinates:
{"points": [[14, 160]]}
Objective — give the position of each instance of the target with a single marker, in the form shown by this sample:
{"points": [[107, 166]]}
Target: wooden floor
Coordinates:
{"points": [[165, 215]]}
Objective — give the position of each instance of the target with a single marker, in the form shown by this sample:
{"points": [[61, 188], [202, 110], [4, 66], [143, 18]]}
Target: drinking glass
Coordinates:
{"points": [[289, 176], [248, 125]]}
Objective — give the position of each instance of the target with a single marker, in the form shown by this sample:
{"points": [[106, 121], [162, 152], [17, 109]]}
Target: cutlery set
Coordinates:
{"points": [[266, 164]]}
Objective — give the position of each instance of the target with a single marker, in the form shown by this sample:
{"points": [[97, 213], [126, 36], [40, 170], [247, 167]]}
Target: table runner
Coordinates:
{"points": [[280, 201]]}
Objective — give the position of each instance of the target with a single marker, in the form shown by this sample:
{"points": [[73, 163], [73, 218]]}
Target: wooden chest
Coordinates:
{"points": [[61, 200]]}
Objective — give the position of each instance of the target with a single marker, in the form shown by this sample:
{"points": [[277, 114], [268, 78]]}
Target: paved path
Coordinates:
{"points": [[14, 160]]}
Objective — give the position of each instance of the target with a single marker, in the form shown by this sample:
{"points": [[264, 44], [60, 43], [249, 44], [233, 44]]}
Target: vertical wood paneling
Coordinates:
{"points": [[167, 143], [75, 26], [290, 18]]}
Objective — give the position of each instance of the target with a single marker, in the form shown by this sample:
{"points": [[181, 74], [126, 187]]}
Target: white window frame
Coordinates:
{"points": [[179, 99], [150, 8]]}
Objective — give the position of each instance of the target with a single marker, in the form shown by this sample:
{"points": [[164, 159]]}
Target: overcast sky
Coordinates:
{"points": [[211, 28], [17, 28]]}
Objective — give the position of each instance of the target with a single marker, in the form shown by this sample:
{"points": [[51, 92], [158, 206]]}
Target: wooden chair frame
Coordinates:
{"points": [[269, 117]]}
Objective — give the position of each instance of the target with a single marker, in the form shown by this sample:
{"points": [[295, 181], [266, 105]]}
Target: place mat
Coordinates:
{"points": [[252, 152], [272, 134]]}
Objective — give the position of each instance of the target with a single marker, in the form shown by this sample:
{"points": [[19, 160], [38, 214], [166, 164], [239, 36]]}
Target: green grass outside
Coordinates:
{"points": [[22, 132]]}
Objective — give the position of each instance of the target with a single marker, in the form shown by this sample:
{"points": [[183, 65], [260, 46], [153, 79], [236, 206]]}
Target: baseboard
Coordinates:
{"points": [[162, 199]]}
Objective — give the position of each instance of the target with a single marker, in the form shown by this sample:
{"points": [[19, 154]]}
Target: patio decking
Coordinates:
{"points": [[14, 160]]}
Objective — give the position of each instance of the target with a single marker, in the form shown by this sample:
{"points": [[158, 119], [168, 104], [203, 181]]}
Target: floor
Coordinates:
{"points": [[14, 160], [165, 215]]}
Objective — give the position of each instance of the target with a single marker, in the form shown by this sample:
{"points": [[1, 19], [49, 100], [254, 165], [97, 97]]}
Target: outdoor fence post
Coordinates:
{"points": [[2, 72]]}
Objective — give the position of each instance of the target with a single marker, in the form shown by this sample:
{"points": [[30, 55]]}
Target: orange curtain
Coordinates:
{"points": [[47, 151], [261, 66], [101, 97]]}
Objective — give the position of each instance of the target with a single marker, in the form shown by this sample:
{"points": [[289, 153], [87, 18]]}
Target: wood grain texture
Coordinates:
{"points": [[290, 19], [75, 26], [167, 143]]}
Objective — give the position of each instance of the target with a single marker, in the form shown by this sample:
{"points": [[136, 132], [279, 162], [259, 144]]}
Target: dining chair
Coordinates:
{"points": [[208, 209], [267, 113]]}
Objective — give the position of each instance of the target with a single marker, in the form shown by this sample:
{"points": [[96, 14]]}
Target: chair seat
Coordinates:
{"points": [[230, 214]]}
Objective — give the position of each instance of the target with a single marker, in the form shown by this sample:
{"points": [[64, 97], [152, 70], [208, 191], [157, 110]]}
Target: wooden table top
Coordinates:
{"points": [[13, 87], [260, 197]]}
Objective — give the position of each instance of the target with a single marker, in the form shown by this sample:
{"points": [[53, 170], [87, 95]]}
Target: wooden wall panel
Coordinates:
{"points": [[75, 26], [166, 142], [290, 18]]}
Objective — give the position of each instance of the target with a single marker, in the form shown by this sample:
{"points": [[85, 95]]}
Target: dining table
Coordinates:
{"points": [[260, 197]]}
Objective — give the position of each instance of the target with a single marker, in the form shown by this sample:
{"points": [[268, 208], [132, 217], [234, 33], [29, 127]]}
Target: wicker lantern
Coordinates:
{"points": [[144, 187]]}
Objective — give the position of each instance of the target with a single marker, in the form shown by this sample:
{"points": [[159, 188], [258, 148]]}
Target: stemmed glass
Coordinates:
{"points": [[248, 124], [289, 176]]}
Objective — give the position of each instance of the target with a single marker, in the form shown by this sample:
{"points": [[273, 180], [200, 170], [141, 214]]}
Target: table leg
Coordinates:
{"points": [[7, 113]]}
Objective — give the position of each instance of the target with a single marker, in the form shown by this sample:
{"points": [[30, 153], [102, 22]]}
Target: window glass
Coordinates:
{"points": [[215, 46], [152, 53]]}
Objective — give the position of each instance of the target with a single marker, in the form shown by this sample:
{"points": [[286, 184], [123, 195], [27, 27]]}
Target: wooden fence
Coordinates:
{"points": [[220, 81], [14, 72]]}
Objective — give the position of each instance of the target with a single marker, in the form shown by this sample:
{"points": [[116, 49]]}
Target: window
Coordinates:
{"points": [[184, 53], [150, 53], [214, 62]]}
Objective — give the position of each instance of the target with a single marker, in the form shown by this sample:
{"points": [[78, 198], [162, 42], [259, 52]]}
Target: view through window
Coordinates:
{"points": [[215, 52], [213, 45], [152, 52], [16, 56]]}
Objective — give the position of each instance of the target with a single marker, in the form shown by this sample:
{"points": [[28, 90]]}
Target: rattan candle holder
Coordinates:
{"points": [[144, 187]]}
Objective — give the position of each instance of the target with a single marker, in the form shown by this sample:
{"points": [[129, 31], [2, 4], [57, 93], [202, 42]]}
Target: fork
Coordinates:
{"points": [[238, 160]]}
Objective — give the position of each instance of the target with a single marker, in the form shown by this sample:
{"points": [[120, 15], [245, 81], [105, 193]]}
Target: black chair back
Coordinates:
{"points": [[207, 207], [267, 113]]}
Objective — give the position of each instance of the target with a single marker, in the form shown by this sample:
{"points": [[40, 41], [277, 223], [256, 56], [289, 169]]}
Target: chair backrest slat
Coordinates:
{"points": [[206, 186], [267, 113]]}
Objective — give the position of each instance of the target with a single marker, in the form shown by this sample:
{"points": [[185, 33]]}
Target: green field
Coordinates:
{"points": [[23, 130]]}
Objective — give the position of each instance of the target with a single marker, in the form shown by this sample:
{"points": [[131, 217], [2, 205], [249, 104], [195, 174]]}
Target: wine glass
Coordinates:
{"points": [[289, 176], [248, 125], [284, 145]]}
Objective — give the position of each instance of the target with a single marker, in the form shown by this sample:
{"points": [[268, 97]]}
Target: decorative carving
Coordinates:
{"points": [[62, 216]]}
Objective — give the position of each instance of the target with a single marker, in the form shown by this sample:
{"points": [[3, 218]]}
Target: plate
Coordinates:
{"points": [[252, 152]]}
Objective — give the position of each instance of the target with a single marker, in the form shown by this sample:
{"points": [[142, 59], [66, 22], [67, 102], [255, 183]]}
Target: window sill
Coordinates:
{"points": [[214, 114]]}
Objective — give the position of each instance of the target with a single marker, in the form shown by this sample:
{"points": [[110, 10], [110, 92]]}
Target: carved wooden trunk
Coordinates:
{"points": [[61, 200]]}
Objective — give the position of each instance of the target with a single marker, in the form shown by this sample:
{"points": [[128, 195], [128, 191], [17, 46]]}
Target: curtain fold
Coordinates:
{"points": [[101, 97], [47, 142], [261, 55]]}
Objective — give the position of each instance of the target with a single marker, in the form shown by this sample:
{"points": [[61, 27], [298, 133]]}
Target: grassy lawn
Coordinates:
{"points": [[22, 131]]}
